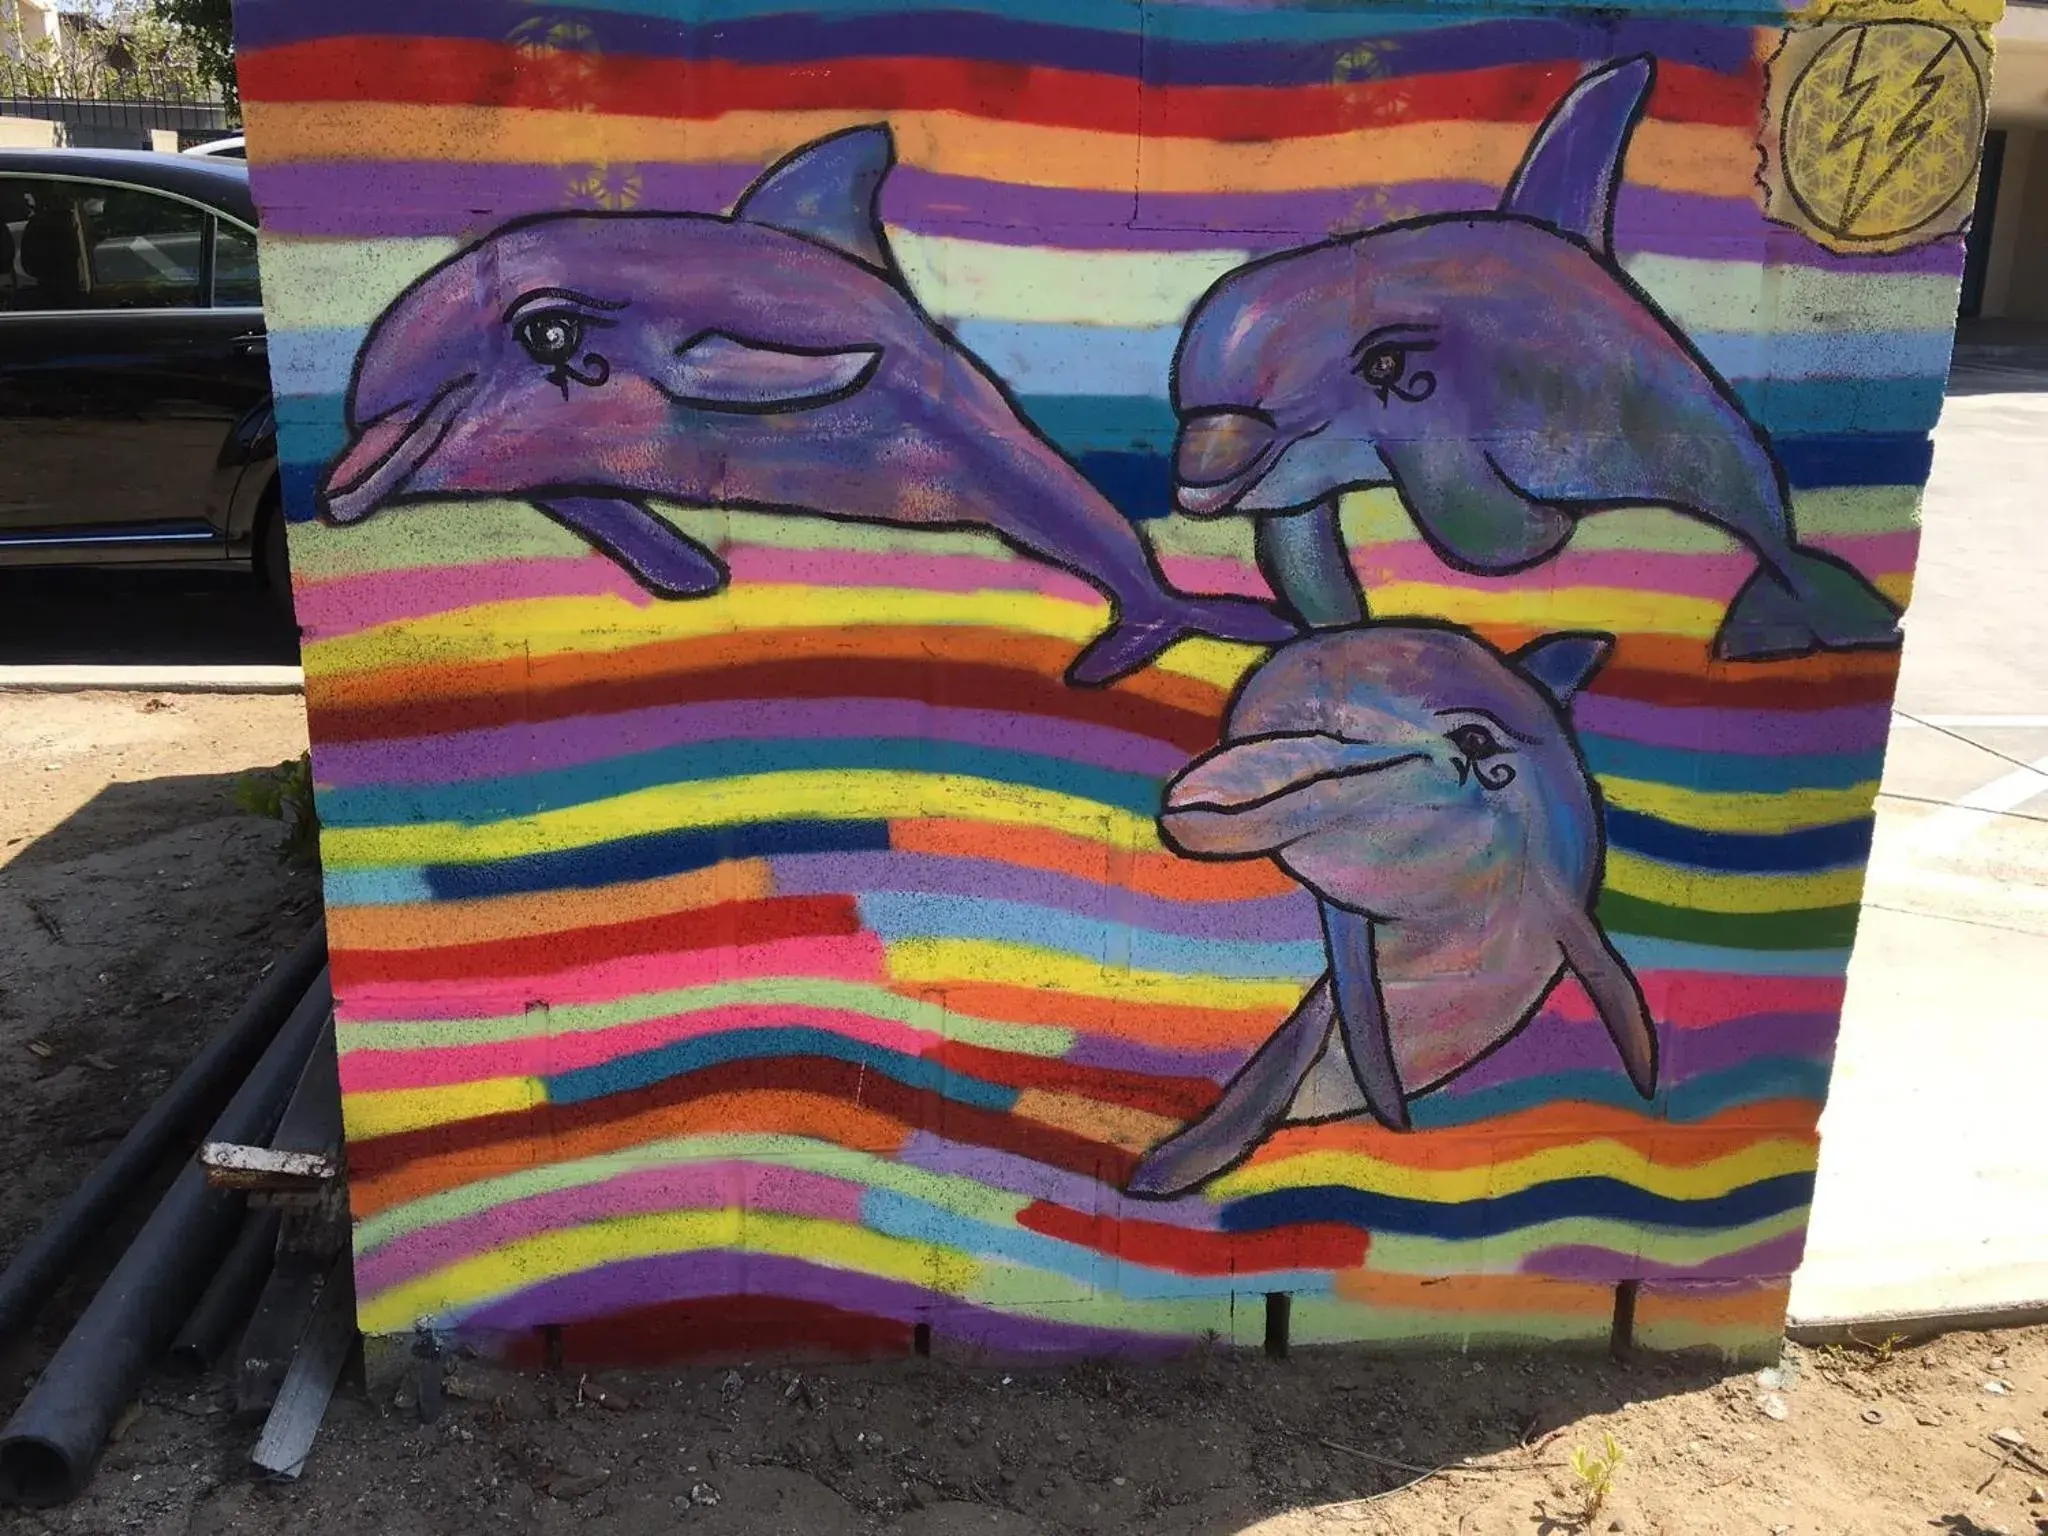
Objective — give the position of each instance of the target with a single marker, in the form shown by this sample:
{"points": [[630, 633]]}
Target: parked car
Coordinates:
{"points": [[231, 146], [136, 424]]}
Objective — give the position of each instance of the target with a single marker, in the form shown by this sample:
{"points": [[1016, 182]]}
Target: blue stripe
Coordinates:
{"points": [[1112, 944], [399, 885], [1645, 952], [643, 1069], [1463, 1221], [1816, 460], [1814, 848], [651, 857], [1728, 772]]}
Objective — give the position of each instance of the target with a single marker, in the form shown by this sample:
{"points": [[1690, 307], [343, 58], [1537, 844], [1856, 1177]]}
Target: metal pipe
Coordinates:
{"points": [[48, 1448], [230, 1296], [179, 1112]]}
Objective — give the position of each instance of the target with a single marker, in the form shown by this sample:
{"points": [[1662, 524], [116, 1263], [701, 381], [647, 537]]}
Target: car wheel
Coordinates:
{"points": [[273, 559]]}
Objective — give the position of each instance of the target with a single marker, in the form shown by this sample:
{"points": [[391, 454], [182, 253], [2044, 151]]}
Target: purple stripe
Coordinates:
{"points": [[1040, 1181], [483, 754], [1553, 1043], [1780, 1256], [1271, 919], [1117, 1055], [614, 1288], [716, 1186], [372, 199], [1750, 732]]}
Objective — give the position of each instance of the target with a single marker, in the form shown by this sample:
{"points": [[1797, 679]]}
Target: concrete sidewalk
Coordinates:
{"points": [[1933, 1193], [152, 679]]}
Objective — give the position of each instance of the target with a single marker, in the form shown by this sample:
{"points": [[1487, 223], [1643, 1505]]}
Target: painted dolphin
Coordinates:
{"points": [[1505, 376], [1430, 791], [771, 359]]}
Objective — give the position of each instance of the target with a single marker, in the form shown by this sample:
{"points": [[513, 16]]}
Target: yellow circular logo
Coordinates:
{"points": [[1881, 130]]}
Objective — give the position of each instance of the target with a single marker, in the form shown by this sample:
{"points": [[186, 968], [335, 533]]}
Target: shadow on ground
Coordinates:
{"points": [[53, 617]]}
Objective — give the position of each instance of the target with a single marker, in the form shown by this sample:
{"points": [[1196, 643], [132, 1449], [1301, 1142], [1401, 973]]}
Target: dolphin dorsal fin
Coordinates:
{"points": [[1564, 663], [1572, 171], [826, 192]]}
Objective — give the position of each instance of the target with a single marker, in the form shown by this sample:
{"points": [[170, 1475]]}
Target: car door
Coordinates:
{"points": [[120, 381]]}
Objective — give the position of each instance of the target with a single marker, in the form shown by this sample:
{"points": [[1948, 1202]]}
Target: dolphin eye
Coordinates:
{"points": [[1475, 744], [1383, 365], [552, 336]]}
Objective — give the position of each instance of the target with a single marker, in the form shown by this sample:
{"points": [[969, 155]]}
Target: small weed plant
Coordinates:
{"points": [[1594, 1472], [285, 794]]}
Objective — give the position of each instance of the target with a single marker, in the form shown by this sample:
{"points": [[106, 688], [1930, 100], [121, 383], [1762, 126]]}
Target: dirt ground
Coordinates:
{"points": [[136, 906]]}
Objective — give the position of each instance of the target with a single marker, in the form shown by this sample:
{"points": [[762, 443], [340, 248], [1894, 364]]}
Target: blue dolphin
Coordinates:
{"points": [[774, 359], [1505, 376]]}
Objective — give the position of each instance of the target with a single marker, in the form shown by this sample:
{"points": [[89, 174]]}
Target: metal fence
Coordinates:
{"points": [[109, 122]]}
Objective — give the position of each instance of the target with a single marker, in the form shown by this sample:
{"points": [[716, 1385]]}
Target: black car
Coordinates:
{"points": [[135, 413]]}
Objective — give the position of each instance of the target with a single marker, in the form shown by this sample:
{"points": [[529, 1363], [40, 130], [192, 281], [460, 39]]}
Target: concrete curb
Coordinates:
{"points": [[1915, 1325], [60, 679]]}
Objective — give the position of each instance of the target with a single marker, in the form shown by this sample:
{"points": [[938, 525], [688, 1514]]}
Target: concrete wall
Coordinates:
{"points": [[970, 672]]}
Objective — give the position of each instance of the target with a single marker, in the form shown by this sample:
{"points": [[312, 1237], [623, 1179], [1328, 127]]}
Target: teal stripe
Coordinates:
{"points": [[393, 886], [1690, 1102], [1114, 945], [479, 801], [1728, 772], [1645, 952]]}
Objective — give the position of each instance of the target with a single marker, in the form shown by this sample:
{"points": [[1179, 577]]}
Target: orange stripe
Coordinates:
{"points": [[765, 1112], [444, 923], [1083, 858], [1551, 1125], [1701, 1305], [1476, 1293], [1156, 1024]]}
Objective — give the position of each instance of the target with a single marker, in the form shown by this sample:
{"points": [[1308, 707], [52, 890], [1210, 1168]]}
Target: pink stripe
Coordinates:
{"points": [[723, 1186], [366, 1069], [1702, 999], [856, 957], [340, 606]]}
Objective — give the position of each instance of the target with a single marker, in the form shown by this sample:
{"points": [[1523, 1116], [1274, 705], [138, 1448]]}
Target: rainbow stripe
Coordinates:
{"points": [[811, 946]]}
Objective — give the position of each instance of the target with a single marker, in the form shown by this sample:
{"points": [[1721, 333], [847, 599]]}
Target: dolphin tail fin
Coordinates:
{"points": [[1137, 636], [1820, 603], [1617, 998], [1254, 1102]]}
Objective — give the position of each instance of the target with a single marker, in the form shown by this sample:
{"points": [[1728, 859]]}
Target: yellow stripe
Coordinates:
{"points": [[531, 1261], [820, 794], [386, 1112], [552, 626], [1705, 810], [1677, 157], [1712, 890], [924, 961], [1616, 609], [1601, 1158]]}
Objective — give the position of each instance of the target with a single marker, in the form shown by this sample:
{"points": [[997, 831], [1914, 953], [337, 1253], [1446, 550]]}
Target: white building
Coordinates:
{"points": [[26, 23]]}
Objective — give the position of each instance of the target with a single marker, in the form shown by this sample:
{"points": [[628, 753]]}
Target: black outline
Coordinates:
{"points": [[1166, 613], [1601, 252], [1559, 706]]}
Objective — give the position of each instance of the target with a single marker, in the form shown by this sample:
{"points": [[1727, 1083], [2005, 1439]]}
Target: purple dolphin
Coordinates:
{"points": [[1503, 374], [1429, 790], [773, 359]]}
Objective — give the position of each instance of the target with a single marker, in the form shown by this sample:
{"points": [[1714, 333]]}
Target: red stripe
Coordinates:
{"points": [[919, 1108], [1751, 687], [928, 680], [713, 1330], [1312, 1245], [729, 924], [454, 71], [1176, 1098]]}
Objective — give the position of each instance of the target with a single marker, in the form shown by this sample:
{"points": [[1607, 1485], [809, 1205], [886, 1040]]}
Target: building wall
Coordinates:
{"points": [[843, 813]]}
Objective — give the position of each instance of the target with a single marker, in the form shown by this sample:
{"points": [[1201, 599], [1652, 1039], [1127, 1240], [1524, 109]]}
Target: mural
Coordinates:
{"points": [[834, 826]]}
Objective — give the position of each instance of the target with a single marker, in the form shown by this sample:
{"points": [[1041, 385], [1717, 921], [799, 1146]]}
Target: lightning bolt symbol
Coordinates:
{"points": [[1867, 129]]}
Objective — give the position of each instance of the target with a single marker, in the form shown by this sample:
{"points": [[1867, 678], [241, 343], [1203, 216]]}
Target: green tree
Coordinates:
{"points": [[123, 48], [208, 28]]}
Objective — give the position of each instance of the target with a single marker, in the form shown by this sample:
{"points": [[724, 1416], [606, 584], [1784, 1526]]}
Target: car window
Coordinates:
{"points": [[81, 245], [234, 267]]}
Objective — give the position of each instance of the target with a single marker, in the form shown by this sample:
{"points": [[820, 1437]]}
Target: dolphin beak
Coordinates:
{"points": [[1250, 797], [1220, 456], [387, 454]]}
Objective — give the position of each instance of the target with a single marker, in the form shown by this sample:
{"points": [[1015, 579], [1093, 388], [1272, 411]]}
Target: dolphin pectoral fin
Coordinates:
{"points": [[653, 553], [1252, 1106], [1132, 641], [1833, 609], [1472, 514], [1617, 997], [1572, 171], [1362, 1014], [826, 192]]}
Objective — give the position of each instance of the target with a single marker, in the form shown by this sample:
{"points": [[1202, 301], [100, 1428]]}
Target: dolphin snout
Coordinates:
{"points": [[387, 454], [1221, 453], [1254, 796]]}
